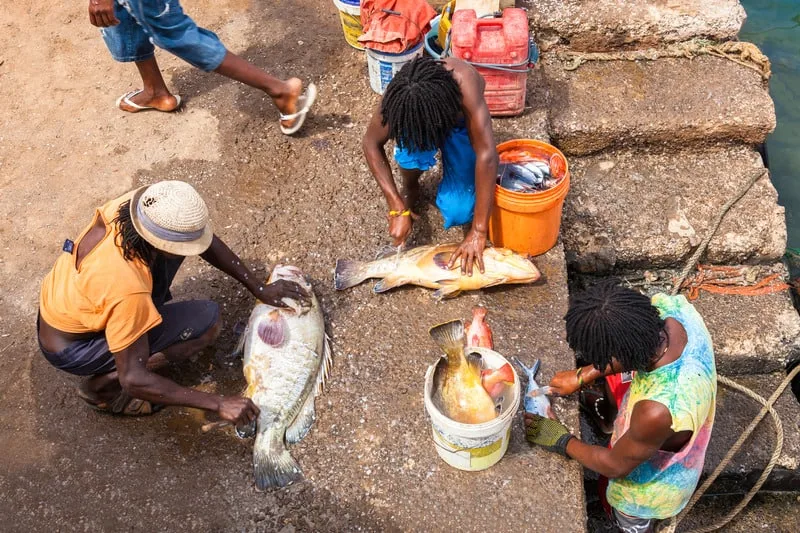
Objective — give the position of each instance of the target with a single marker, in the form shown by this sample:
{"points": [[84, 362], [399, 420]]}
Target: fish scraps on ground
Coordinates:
{"points": [[287, 358], [457, 378], [536, 400], [426, 266]]}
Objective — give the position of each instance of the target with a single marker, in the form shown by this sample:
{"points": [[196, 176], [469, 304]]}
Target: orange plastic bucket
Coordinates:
{"points": [[528, 223]]}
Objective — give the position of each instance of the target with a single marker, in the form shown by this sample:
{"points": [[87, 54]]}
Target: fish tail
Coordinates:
{"points": [[272, 465], [449, 336], [349, 273], [530, 371]]}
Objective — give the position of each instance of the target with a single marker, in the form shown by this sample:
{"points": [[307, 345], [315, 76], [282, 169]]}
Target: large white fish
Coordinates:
{"points": [[287, 357]]}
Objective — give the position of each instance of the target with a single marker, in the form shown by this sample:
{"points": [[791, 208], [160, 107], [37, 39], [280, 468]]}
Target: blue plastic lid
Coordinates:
{"points": [[354, 3]]}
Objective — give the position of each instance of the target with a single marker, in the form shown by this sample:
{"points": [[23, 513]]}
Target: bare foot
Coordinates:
{"points": [[101, 388], [287, 101], [161, 102]]}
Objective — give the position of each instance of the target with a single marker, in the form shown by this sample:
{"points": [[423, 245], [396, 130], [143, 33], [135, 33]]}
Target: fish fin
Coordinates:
{"points": [[447, 289], [325, 367], [475, 362], [272, 330], [449, 336], [239, 349], [442, 259], [388, 251], [389, 282], [529, 371], [349, 274], [302, 423], [272, 465]]}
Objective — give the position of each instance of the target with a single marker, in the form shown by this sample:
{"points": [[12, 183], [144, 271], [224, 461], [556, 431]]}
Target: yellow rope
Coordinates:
{"points": [[745, 54]]}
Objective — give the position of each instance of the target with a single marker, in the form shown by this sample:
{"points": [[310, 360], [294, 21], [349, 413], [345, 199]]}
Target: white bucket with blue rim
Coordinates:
{"points": [[383, 66]]}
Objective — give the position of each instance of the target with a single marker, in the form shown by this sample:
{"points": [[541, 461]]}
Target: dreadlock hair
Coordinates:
{"points": [[610, 321], [133, 245], [421, 105]]}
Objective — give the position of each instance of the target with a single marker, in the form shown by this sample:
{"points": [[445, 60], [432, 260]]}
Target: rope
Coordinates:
{"points": [[746, 54], [731, 280], [692, 262], [767, 404]]}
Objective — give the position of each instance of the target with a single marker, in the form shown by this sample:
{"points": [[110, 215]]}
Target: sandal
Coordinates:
{"points": [[595, 405], [124, 405], [135, 108], [304, 102]]}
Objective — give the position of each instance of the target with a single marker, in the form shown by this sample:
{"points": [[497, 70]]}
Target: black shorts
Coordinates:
{"points": [[180, 321]]}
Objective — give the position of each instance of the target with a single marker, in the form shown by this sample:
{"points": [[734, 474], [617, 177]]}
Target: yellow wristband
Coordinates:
{"points": [[580, 378], [403, 213]]}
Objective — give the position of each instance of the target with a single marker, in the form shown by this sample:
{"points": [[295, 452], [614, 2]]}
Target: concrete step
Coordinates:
{"points": [[675, 102], [752, 334], [638, 208], [599, 25], [775, 513], [734, 412]]}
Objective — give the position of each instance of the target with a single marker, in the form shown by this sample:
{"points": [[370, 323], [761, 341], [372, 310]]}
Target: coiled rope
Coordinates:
{"points": [[672, 524]]}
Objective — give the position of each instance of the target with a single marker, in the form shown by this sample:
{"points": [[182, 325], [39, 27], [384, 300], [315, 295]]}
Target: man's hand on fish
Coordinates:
{"points": [[274, 294], [470, 251], [548, 433], [400, 227], [237, 410]]}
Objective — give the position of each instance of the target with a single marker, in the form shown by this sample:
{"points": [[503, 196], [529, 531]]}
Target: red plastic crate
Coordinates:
{"points": [[495, 42]]}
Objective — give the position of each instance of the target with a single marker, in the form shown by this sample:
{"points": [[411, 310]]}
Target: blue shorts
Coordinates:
{"points": [[455, 196], [144, 24]]}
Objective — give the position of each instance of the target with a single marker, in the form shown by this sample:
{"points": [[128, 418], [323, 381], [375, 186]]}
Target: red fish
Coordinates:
{"points": [[494, 380], [478, 334]]}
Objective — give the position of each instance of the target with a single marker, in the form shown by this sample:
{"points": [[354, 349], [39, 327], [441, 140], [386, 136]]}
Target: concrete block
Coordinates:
{"points": [[630, 209], [601, 25], [675, 102]]}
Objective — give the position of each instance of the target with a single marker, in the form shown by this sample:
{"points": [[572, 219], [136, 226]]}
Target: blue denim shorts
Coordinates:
{"points": [[144, 24]]}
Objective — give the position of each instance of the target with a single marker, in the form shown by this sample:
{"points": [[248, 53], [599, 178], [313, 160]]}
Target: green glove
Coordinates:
{"points": [[550, 434]]}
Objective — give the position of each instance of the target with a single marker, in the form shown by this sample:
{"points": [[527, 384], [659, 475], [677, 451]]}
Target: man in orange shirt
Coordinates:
{"points": [[105, 310]]}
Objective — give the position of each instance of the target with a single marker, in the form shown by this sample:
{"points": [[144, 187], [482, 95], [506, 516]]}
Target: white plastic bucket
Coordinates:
{"points": [[350, 17], [473, 447], [383, 66]]}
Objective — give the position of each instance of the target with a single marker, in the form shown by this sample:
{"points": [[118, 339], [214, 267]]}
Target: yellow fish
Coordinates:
{"points": [[457, 378], [426, 266]]}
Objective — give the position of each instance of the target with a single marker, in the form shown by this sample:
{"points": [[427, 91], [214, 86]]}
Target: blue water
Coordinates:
{"points": [[775, 27]]}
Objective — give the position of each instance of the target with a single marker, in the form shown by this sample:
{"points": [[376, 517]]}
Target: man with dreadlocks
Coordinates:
{"points": [[659, 439], [105, 310], [428, 106]]}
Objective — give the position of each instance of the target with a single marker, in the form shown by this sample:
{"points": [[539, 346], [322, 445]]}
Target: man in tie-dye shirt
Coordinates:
{"points": [[661, 433]]}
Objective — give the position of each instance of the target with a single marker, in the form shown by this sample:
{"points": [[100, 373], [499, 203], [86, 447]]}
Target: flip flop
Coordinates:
{"points": [[126, 99], [124, 404], [304, 102]]}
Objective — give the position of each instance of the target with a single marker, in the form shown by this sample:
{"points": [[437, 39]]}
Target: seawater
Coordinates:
{"points": [[775, 27]]}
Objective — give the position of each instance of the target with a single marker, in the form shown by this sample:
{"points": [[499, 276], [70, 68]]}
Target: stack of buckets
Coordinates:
{"points": [[382, 66]]}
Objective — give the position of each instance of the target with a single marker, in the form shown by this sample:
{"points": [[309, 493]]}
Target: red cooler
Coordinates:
{"points": [[498, 48]]}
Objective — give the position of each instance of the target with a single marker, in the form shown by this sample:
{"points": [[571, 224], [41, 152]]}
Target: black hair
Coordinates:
{"points": [[133, 245], [421, 105], [611, 321]]}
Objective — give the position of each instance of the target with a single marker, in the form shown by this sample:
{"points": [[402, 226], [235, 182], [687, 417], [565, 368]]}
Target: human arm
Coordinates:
{"points": [[479, 128], [649, 429], [101, 13], [373, 145], [139, 382], [567, 382], [221, 257]]}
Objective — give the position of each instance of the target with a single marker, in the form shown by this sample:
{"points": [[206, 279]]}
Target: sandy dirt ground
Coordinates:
{"points": [[369, 461]]}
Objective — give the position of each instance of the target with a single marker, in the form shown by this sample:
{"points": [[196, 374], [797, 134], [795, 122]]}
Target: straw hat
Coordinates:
{"points": [[173, 217]]}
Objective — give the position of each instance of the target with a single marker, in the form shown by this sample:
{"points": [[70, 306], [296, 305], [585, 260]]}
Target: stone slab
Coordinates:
{"points": [[601, 25], [775, 513], [734, 413], [640, 208], [676, 102]]}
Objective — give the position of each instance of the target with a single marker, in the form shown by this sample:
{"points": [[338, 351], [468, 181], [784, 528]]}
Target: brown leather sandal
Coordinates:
{"points": [[123, 405]]}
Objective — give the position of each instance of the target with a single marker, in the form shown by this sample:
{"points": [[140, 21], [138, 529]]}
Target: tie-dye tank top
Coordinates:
{"points": [[661, 486]]}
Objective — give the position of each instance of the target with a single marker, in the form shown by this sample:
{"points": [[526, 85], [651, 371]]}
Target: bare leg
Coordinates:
{"points": [[284, 93], [105, 387], [154, 90], [410, 192]]}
